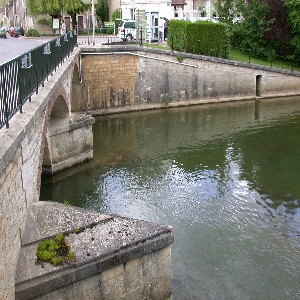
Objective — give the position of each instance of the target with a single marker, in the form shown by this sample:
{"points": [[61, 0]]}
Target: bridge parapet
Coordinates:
{"points": [[22, 76]]}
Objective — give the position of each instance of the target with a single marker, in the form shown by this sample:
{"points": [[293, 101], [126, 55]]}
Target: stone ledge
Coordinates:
{"points": [[68, 163], [46, 219], [79, 121], [101, 245]]}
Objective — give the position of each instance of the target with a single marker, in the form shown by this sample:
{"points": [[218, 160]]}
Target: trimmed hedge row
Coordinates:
{"points": [[201, 37]]}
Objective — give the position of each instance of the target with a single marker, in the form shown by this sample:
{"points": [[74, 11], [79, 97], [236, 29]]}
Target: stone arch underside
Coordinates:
{"points": [[68, 140], [76, 91], [59, 118]]}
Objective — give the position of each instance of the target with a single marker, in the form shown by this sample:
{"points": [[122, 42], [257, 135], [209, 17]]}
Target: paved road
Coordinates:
{"points": [[12, 47]]}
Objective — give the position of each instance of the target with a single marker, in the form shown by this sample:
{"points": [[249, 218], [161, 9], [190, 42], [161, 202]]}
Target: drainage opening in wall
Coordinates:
{"points": [[258, 85]]}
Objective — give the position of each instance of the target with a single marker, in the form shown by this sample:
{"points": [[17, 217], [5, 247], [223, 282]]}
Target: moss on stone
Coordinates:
{"points": [[55, 251]]}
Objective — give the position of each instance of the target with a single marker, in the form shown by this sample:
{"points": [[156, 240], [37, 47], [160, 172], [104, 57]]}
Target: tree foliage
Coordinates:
{"points": [[271, 26], [278, 35], [293, 17], [226, 11], [249, 33], [102, 11], [41, 7], [116, 16], [56, 7]]}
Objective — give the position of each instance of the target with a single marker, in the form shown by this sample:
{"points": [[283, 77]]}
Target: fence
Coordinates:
{"points": [[106, 36], [22, 76]]}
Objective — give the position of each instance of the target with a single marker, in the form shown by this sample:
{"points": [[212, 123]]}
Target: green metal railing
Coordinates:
{"points": [[22, 76]]}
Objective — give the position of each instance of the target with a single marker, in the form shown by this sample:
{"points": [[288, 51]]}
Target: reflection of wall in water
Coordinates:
{"points": [[118, 143], [206, 117]]}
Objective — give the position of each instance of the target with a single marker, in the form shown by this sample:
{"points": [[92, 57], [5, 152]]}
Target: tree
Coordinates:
{"points": [[250, 31], [293, 17], [102, 11], [43, 7], [55, 7], [278, 34], [116, 17], [226, 11], [74, 7]]}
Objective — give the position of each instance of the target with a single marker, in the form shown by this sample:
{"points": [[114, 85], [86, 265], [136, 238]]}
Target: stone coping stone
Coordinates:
{"points": [[46, 219], [104, 242]]}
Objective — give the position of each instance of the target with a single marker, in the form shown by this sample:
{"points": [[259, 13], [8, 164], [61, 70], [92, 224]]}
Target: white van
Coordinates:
{"points": [[126, 30]]}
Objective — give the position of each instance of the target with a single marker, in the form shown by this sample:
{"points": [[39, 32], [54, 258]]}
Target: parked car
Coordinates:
{"points": [[2, 33], [16, 31], [126, 30]]}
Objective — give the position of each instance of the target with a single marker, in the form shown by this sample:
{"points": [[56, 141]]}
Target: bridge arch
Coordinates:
{"points": [[59, 116], [76, 88]]}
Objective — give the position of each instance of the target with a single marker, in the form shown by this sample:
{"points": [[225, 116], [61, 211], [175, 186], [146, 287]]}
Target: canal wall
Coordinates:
{"points": [[121, 79]]}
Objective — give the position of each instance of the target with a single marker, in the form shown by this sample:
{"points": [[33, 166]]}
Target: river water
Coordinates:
{"points": [[225, 176]]}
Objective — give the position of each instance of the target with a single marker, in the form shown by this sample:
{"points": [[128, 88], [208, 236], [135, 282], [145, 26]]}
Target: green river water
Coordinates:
{"points": [[225, 176]]}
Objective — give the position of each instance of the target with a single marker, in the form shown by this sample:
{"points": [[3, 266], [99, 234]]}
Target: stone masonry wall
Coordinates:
{"points": [[109, 80], [12, 211], [196, 78], [151, 79], [21, 153], [18, 189], [113, 81], [147, 277]]}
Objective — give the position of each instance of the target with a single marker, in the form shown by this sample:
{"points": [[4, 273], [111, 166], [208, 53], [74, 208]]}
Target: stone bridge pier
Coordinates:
{"points": [[67, 135]]}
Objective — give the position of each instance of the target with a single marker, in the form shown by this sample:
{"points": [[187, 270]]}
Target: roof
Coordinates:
{"points": [[178, 2]]}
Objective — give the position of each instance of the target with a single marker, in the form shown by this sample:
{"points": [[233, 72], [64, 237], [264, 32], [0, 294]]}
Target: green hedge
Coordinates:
{"points": [[201, 37], [177, 34]]}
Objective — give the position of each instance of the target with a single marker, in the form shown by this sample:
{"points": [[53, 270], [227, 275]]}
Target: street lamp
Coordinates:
{"points": [[93, 15]]}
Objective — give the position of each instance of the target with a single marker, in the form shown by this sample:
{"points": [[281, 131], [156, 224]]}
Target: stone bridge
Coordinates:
{"points": [[54, 132], [47, 136]]}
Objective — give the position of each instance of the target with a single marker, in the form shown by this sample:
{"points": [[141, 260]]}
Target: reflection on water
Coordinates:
{"points": [[225, 176]]}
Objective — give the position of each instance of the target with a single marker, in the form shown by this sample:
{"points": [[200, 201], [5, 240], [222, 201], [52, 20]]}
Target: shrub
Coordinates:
{"points": [[177, 32], [45, 21], [32, 32], [116, 17], [202, 37]]}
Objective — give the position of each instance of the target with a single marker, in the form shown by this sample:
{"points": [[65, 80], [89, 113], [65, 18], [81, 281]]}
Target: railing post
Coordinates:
{"points": [[6, 110], [19, 84]]}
